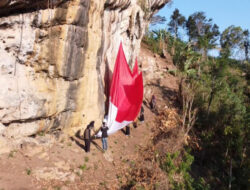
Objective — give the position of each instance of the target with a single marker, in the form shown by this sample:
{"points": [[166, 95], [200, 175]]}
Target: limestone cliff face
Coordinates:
{"points": [[57, 58]]}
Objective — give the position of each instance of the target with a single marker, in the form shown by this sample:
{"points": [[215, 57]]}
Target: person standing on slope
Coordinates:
{"points": [[127, 131], [141, 117], [153, 103], [104, 130], [87, 136]]}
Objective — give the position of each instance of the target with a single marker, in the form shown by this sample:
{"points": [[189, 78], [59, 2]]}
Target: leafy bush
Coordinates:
{"points": [[177, 164]]}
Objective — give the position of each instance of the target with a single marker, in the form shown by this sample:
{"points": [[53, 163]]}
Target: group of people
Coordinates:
{"points": [[104, 132], [104, 128], [87, 135]]}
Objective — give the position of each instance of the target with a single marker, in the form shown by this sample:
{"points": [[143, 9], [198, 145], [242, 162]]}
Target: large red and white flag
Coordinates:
{"points": [[126, 94]]}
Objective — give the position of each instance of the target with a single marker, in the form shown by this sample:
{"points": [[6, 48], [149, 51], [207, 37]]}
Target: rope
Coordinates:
{"points": [[20, 44], [50, 46], [49, 31], [15, 65], [17, 84]]}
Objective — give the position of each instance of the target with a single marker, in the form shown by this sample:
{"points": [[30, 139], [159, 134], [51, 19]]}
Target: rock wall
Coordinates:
{"points": [[57, 58]]}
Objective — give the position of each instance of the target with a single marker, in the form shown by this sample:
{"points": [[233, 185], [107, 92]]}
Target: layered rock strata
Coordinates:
{"points": [[57, 58]]}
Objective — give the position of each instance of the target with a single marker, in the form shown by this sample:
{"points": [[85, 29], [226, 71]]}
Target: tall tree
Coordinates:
{"points": [[177, 21], [246, 44], [160, 36], [232, 40], [202, 32]]}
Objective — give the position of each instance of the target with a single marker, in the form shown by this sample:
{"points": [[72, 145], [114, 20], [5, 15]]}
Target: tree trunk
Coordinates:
{"points": [[230, 175], [211, 96], [210, 102]]}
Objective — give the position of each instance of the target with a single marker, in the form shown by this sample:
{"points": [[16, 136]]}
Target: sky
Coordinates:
{"points": [[223, 12]]}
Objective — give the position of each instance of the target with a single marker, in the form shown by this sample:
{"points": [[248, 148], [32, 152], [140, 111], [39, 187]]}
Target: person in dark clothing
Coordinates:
{"points": [[104, 130], [87, 136], [127, 130], [141, 117], [135, 124], [153, 103]]}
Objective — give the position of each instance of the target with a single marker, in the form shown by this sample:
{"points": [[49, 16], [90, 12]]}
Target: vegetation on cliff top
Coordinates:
{"points": [[214, 94]]}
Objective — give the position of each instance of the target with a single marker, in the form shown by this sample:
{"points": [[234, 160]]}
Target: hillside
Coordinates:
{"points": [[56, 72], [48, 162]]}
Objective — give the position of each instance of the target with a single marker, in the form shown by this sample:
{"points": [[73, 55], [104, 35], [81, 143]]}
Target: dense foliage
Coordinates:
{"points": [[218, 97]]}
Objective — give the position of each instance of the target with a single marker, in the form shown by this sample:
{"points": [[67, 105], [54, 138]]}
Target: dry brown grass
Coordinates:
{"points": [[167, 137]]}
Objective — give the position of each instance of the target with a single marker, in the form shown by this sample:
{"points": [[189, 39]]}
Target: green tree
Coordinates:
{"points": [[246, 44], [177, 21], [161, 37], [223, 131], [202, 32], [232, 40], [158, 40]]}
